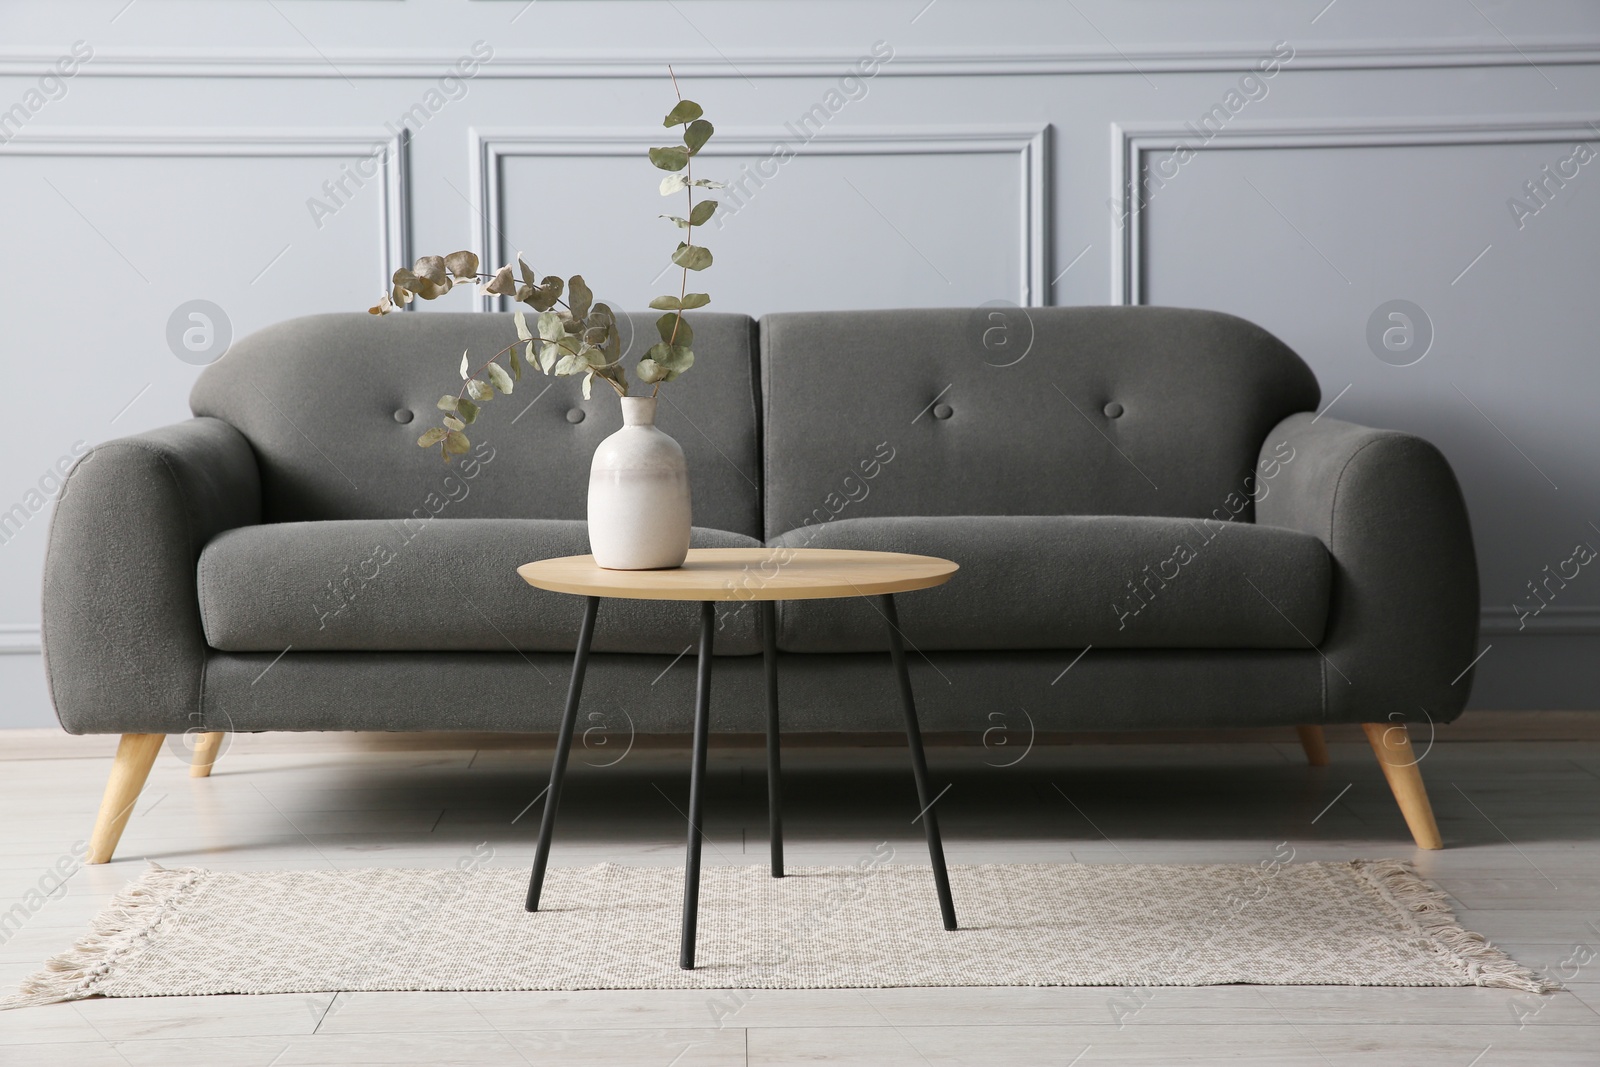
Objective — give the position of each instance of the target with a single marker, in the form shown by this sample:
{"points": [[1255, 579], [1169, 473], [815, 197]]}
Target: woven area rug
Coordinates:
{"points": [[192, 931]]}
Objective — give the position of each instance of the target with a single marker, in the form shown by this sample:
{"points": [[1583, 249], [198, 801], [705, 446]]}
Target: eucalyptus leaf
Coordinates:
{"points": [[502, 284], [447, 403], [528, 277], [433, 269], [706, 183], [673, 157], [479, 390], [546, 293], [456, 442], [548, 355], [694, 300], [702, 212], [429, 289], [464, 265], [676, 357], [464, 352], [673, 183], [683, 224], [668, 323], [650, 371], [454, 423], [696, 134], [573, 364], [685, 111], [516, 362], [500, 378], [522, 326], [692, 257], [579, 296], [666, 303], [588, 385], [467, 410], [431, 437], [551, 328]]}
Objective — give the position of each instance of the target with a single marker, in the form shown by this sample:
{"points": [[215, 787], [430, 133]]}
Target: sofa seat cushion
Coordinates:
{"points": [[1070, 581], [447, 585]]}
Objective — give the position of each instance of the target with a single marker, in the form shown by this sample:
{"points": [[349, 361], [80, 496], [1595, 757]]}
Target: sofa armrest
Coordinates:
{"points": [[124, 650], [1403, 610]]}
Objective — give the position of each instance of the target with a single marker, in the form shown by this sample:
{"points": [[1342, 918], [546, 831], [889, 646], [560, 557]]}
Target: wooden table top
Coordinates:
{"points": [[747, 574]]}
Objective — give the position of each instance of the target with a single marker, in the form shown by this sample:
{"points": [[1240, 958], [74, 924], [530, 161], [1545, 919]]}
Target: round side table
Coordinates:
{"points": [[763, 575]]}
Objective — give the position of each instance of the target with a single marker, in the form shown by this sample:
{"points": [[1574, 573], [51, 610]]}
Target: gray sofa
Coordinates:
{"points": [[1151, 485]]}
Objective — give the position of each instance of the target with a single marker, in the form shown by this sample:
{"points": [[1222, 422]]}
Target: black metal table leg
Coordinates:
{"points": [[558, 763], [769, 657], [697, 783], [919, 764]]}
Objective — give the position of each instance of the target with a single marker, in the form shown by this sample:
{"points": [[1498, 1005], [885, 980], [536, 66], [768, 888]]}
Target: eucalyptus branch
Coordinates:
{"points": [[583, 338]]}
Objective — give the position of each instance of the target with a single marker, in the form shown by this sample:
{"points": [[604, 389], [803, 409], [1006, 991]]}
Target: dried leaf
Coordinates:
{"points": [[464, 265], [545, 294], [579, 296], [551, 328], [455, 443], [431, 437], [479, 391], [498, 376], [433, 269], [454, 423], [447, 403], [502, 284]]}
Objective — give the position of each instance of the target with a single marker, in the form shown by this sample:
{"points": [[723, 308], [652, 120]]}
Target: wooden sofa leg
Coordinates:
{"points": [[1316, 747], [136, 753], [206, 747], [1392, 744]]}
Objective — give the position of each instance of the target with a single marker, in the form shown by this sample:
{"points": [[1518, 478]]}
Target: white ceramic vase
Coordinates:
{"points": [[639, 495]]}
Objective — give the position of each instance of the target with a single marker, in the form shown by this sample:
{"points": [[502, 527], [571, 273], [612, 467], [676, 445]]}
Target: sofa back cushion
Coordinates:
{"points": [[333, 405], [1006, 411]]}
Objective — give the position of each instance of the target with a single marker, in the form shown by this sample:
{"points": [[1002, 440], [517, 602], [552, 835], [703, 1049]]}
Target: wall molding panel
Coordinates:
{"points": [[1030, 145], [394, 210], [1131, 141], [990, 62]]}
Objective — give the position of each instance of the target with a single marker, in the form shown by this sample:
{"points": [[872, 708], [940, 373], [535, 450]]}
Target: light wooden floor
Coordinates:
{"points": [[1521, 823]]}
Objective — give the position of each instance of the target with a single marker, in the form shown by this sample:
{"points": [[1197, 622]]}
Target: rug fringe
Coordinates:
{"points": [[1428, 910], [119, 929]]}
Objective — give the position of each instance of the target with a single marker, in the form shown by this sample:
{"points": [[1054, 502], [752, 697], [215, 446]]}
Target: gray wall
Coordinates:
{"points": [[986, 160]]}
